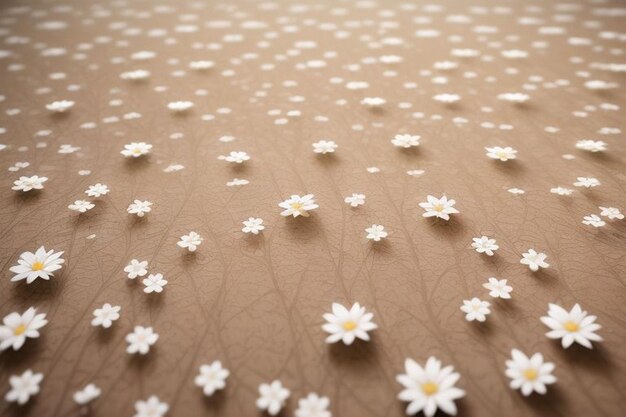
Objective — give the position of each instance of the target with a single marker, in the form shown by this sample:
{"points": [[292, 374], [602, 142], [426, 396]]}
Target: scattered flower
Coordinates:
{"points": [[485, 245], [29, 183], [516, 191], [16, 328], [81, 206], [313, 406], [105, 315], [355, 200], [298, 206], [136, 268], [561, 191], [253, 225], [441, 208], [591, 145], [87, 394], [324, 146], [447, 98], [190, 241], [23, 387], [60, 106], [498, 288], [346, 325], [529, 374], [534, 260], [140, 208], [503, 154], [40, 264], [586, 182], [593, 220], [179, 106], [136, 149], [571, 326], [235, 156], [152, 407], [97, 190], [154, 283], [272, 397], [140, 340], [611, 212], [376, 232], [212, 378], [475, 309], [236, 181], [373, 102], [406, 141]]}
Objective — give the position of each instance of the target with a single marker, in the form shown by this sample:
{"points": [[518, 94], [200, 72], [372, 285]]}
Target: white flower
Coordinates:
{"points": [[376, 232], [561, 191], [81, 206], [429, 388], [406, 141], [136, 75], [190, 241], [534, 260], [154, 283], [60, 106], [236, 182], [40, 264], [593, 220], [298, 206], [346, 325], [600, 85], [201, 65], [105, 315], [373, 102], [447, 98], [179, 106], [141, 339], [586, 182], [514, 97], [152, 407], [355, 200], [516, 191], [313, 406], [139, 208], [136, 149], [212, 378], [485, 245], [591, 145], [87, 394], [441, 207], [503, 154], [17, 327], [253, 225], [29, 183], [272, 397], [324, 146], [611, 212], [136, 268], [498, 288], [573, 326], [23, 387], [415, 172], [66, 149], [237, 157], [475, 309], [529, 374], [97, 190]]}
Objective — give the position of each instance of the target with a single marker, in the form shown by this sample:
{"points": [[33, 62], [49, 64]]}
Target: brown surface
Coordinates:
{"points": [[257, 303]]}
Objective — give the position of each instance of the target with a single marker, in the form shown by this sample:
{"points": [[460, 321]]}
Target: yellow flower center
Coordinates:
{"points": [[136, 151], [438, 207], [349, 325], [37, 266], [430, 388], [501, 154], [19, 330], [530, 374], [570, 326], [296, 206]]}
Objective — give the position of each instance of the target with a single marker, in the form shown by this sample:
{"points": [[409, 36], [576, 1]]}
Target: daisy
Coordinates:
{"points": [[429, 388], [475, 309], [529, 374], [298, 206], [534, 260], [136, 149], [313, 406], [190, 241], [591, 145], [154, 283], [586, 182], [136, 268], [40, 264], [87, 394], [212, 378], [140, 340], [152, 407], [593, 220], [324, 146], [139, 208], [17, 327], [347, 325], [29, 183], [485, 245], [611, 212], [179, 106], [498, 288], [253, 225], [573, 326], [97, 190], [441, 208], [406, 141], [272, 397], [237, 157], [561, 191], [355, 200], [60, 106], [81, 206], [23, 387], [376, 232], [503, 154], [105, 315]]}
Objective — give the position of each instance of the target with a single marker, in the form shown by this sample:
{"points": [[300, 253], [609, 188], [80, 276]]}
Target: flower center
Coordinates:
{"points": [[296, 206], [136, 151], [438, 207], [570, 326], [37, 266], [530, 374], [349, 325], [430, 388], [19, 330], [501, 154]]}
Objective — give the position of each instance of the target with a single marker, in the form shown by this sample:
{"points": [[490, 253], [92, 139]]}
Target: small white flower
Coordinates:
{"points": [[190, 241], [298, 206], [429, 388], [152, 407], [16, 328], [29, 183], [237, 182], [516, 191], [600, 85], [60, 106], [81, 206], [503, 154], [485, 245], [561, 191], [105, 315], [611, 212], [313, 406], [66, 149], [355, 200], [571, 326], [406, 141], [586, 182], [593, 220], [140, 340], [253, 225], [376, 232], [136, 149], [534, 260], [212, 378], [179, 106], [475, 309], [272, 397], [136, 268], [529, 374], [97, 190], [201, 65], [139, 208], [87, 394], [324, 146], [415, 172], [136, 75], [441, 208], [514, 97], [591, 145], [23, 387], [373, 102], [498, 288], [447, 98], [154, 283], [347, 325], [40, 264], [237, 157]]}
